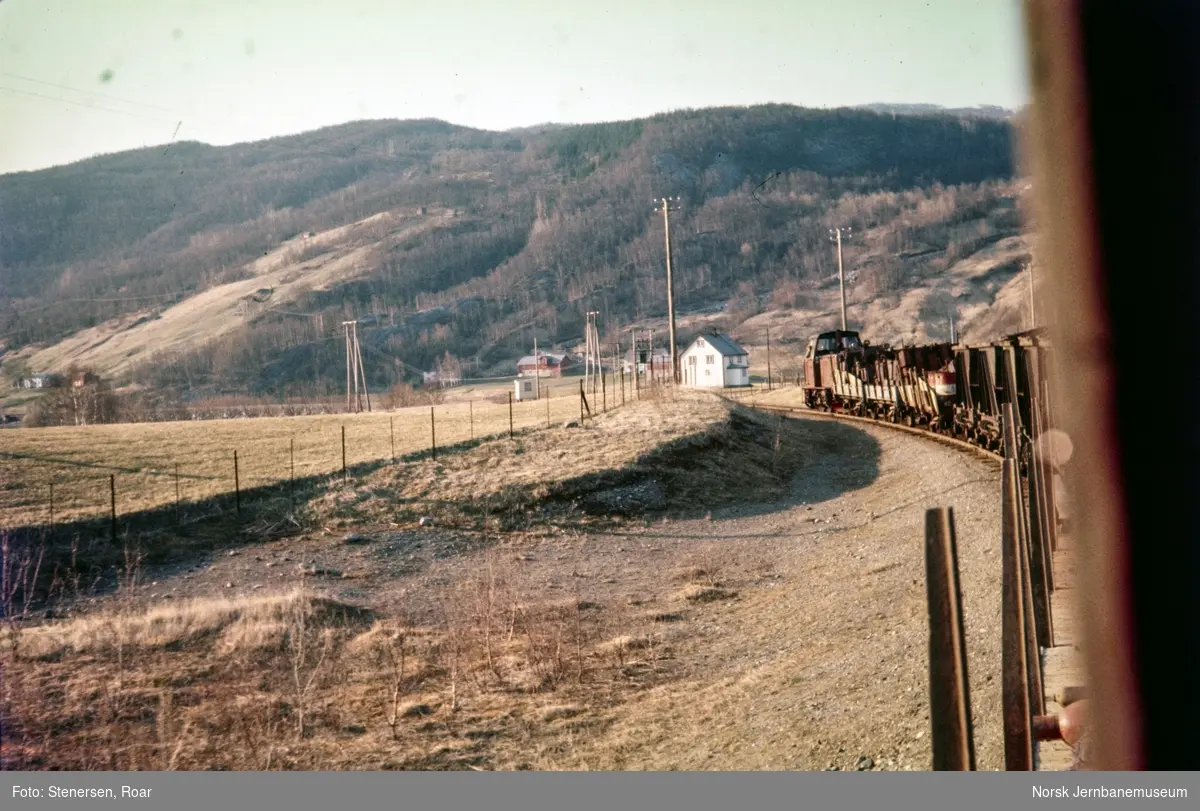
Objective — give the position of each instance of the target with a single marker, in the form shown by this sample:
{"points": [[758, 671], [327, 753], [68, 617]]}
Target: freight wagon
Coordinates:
{"points": [[953, 389]]}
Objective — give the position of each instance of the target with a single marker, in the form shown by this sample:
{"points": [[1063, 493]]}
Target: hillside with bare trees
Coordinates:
{"points": [[227, 270]]}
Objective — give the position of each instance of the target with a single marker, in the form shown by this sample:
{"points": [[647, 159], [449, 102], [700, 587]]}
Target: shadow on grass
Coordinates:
{"points": [[759, 463], [756, 462], [96, 550], [56, 460]]}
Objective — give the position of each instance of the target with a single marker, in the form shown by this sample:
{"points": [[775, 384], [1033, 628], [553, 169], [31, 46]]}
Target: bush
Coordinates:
{"points": [[404, 395]]}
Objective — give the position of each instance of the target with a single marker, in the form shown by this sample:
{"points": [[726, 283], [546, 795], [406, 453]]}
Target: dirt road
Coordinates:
{"points": [[822, 663]]}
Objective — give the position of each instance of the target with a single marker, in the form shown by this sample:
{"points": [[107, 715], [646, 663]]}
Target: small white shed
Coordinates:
{"points": [[715, 361], [527, 389]]}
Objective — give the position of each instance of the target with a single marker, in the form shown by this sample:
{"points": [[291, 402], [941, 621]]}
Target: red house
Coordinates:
{"points": [[544, 365]]}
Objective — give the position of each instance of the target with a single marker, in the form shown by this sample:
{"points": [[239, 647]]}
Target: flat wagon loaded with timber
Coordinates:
{"points": [[953, 389]]}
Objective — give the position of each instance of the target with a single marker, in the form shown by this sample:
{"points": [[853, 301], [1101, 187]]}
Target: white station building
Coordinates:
{"points": [[715, 361]]}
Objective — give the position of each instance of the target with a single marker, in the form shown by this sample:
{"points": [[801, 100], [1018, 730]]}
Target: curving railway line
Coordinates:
{"points": [[994, 401]]}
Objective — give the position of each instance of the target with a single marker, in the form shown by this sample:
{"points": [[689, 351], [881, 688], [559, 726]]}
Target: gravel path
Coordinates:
{"points": [[825, 665]]}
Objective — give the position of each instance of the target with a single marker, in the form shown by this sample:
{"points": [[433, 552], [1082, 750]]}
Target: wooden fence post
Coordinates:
{"points": [[510, 417], [345, 474], [237, 487], [432, 435]]}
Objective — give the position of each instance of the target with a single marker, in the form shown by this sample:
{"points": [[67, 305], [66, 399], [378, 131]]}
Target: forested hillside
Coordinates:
{"points": [[469, 243]]}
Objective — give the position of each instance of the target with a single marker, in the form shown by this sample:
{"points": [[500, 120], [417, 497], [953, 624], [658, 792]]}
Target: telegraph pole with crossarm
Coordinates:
{"points": [[835, 234], [667, 205]]}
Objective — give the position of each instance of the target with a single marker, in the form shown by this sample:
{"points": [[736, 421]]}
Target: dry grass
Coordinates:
{"points": [[500, 476], [560, 711], [625, 643], [289, 681], [486, 668], [538, 478], [699, 593], [77, 461], [238, 625]]}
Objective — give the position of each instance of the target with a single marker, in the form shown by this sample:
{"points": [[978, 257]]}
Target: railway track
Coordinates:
{"points": [[1040, 662], [915, 430]]}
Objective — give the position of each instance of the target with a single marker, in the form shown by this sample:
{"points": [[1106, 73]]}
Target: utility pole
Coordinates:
{"points": [[616, 352], [597, 358], [355, 373], [633, 349], [592, 358], [537, 369], [836, 235], [650, 360], [362, 369], [768, 358], [669, 204], [349, 363]]}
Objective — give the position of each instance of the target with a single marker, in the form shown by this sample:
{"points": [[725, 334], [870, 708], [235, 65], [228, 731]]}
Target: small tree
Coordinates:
{"points": [[17, 370]]}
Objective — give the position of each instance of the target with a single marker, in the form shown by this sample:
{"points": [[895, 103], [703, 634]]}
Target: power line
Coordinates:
{"points": [[85, 92], [82, 104], [394, 359]]}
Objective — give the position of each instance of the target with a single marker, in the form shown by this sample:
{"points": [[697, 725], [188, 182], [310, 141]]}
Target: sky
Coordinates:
{"points": [[85, 77]]}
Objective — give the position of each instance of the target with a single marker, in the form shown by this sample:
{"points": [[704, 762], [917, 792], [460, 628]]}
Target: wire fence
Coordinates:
{"points": [[52, 476]]}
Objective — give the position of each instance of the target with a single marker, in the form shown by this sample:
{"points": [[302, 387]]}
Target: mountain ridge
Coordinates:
{"points": [[534, 229]]}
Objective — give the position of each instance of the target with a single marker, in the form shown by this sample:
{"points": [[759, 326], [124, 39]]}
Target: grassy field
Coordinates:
{"points": [[427, 647], [149, 460]]}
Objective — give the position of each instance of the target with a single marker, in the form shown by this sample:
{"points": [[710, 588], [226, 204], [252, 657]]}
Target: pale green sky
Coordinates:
{"points": [[238, 70]]}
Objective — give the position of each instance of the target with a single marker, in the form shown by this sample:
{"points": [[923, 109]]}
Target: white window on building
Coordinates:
{"points": [[710, 358], [708, 372]]}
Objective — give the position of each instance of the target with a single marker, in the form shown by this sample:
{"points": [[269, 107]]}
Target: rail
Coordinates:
{"points": [[1030, 537]]}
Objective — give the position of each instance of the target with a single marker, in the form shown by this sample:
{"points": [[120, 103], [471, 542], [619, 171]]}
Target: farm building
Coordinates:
{"points": [[80, 379], [715, 362], [444, 378], [546, 364], [527, 389]]}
